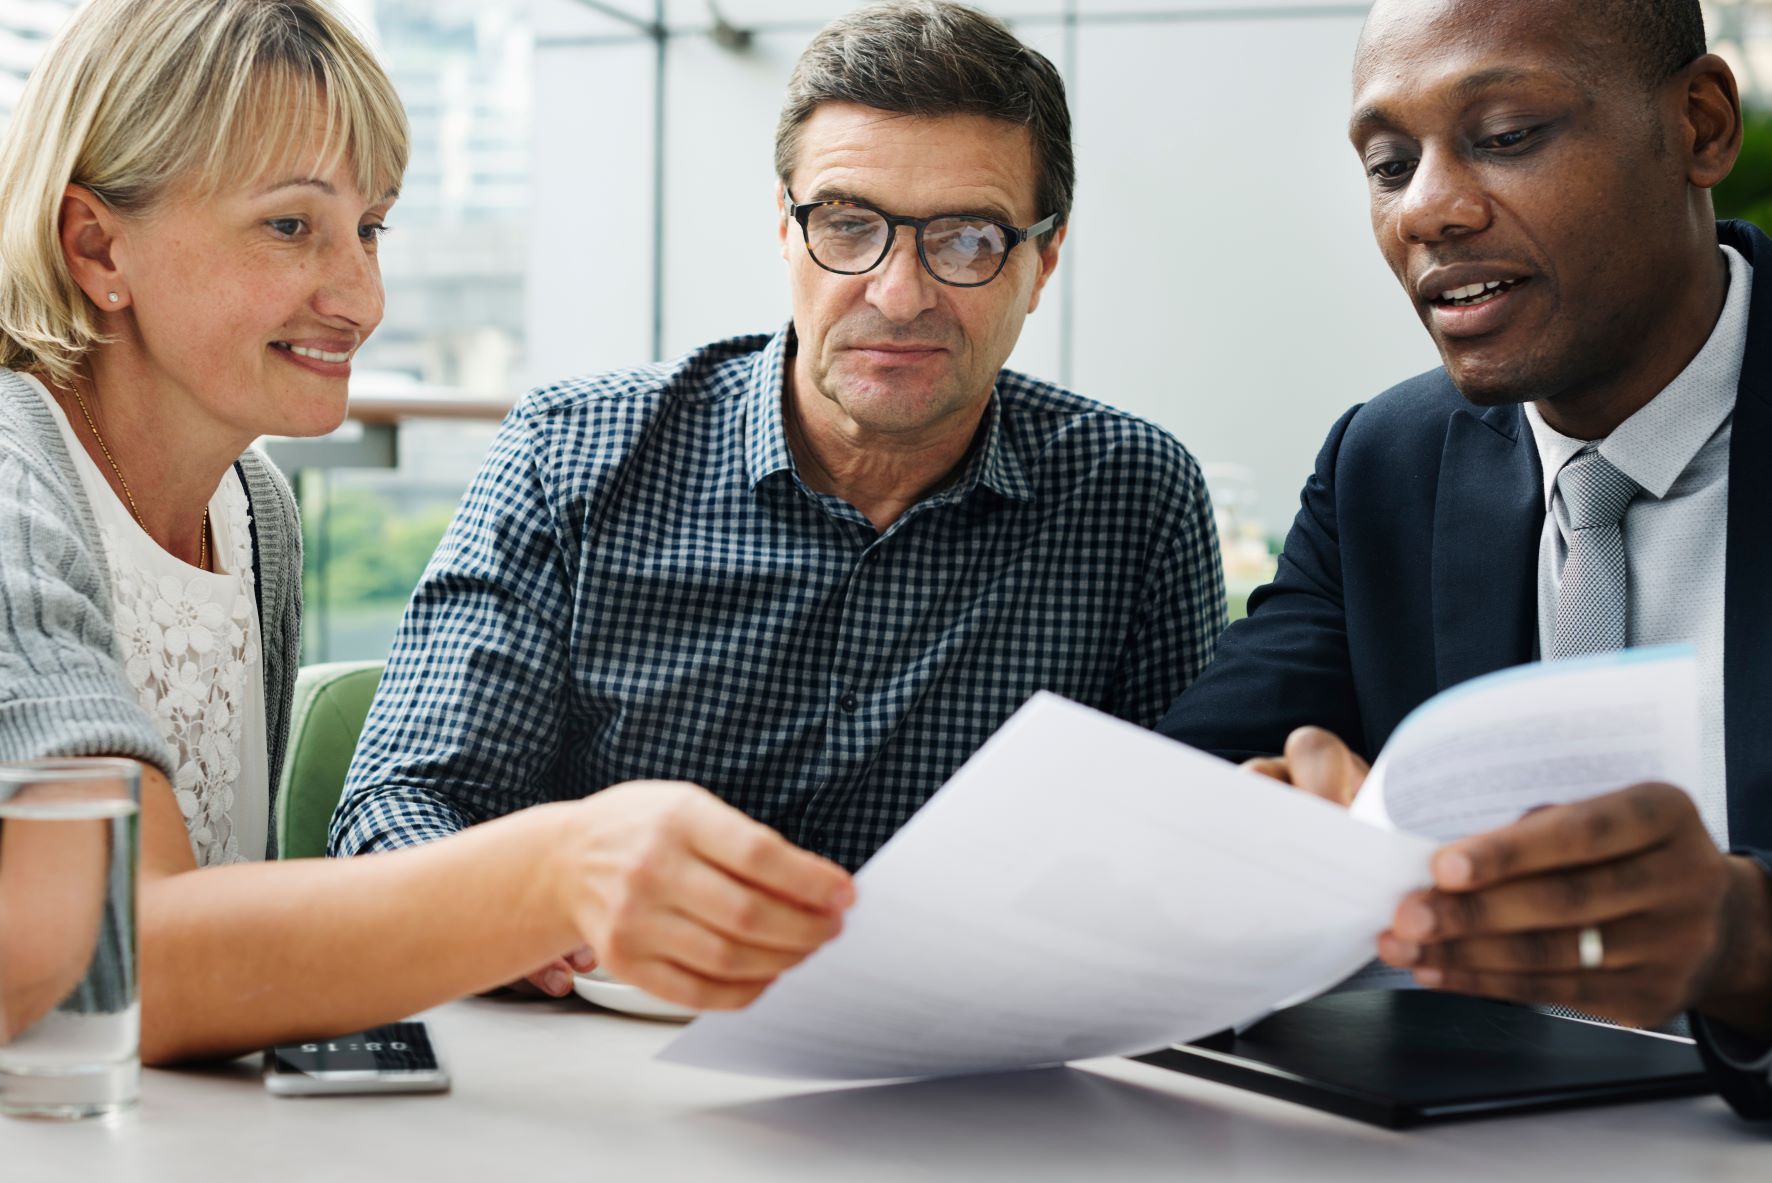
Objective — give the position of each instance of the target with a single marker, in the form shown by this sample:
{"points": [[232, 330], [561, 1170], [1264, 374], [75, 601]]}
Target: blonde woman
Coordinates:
{"points": [[194, 194]]}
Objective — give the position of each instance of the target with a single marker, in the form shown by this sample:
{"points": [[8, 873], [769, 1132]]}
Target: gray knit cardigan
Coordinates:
{"points": [[63, 691]]}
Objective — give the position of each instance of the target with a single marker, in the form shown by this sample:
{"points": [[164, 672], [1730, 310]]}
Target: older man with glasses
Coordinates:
{"points": [[808, 572]]}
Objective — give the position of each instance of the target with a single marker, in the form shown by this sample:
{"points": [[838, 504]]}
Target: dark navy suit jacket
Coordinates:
{"points": [[1412, 566]]}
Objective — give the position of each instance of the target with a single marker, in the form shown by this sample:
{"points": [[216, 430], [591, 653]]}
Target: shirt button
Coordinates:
{"points": [[849, 703]]}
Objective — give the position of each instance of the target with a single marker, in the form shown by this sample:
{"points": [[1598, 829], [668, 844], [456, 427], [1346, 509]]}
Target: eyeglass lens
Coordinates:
{"points": [[852, 239]]}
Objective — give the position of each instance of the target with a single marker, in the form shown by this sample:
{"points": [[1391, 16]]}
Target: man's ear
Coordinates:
{"points": [[1048, 255], [1712, 129], [89, 230], [781, 217]]}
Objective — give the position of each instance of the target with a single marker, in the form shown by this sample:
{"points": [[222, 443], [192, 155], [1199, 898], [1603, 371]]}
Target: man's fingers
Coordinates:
{"points": [[1273, 767], [1564, 836], [1584, 895], [1627, 944], [751, 851], [716, 956], [553, 979], [736, 910], [674, 983], [1319, 763]]}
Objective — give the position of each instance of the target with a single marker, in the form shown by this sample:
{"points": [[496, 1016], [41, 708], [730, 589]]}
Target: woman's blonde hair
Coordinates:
{"points": [[136, 96]]}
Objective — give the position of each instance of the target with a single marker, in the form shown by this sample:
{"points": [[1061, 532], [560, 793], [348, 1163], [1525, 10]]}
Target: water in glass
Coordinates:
{"points": [[69, 1011]]}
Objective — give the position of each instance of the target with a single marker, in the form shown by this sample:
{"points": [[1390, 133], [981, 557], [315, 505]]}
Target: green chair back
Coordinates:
{"points": [[331, 702]]}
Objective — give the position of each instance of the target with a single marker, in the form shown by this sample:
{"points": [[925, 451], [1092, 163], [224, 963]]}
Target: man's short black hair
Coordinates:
{"points": [[1663, 35]]}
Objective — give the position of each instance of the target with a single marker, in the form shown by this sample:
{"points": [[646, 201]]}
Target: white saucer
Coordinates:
{"points": [[605, 991]]}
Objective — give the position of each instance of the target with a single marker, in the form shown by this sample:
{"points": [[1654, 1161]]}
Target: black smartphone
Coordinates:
{"points": [[392, 1058]]}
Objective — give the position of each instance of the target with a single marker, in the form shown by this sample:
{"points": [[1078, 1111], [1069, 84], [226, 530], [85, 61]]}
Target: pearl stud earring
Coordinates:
{"points": [[113, 296]]}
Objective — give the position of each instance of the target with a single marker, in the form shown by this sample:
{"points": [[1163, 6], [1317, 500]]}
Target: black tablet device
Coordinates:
{"points": [[1399, 1058]]}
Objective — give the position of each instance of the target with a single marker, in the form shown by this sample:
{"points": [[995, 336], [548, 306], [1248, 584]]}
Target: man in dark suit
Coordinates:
{"points": [[1585, 472]]}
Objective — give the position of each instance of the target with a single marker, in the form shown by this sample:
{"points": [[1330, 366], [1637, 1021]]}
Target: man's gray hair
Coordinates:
{"points": [[931, 58]]}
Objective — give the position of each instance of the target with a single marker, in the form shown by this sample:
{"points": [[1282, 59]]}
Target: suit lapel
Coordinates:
{"points": [[1747, 620], [1487, 516]]}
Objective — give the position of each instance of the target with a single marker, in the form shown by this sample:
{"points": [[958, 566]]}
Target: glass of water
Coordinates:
{"points": [[69, 1012]]}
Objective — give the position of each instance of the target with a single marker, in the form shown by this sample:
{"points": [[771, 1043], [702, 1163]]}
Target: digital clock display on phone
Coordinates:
{"points": [[395, 1047]]}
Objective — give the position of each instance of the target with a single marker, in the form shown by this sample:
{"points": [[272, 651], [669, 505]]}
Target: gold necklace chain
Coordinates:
{"points": [[202, 531]]}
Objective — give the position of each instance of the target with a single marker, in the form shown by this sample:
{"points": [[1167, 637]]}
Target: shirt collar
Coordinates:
{"points": [[1000, 465], [1655, 445], [994, 464], [766, 435]]}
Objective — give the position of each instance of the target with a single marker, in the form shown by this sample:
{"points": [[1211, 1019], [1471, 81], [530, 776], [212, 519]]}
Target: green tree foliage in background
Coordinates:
{"points": [[1747, 192], [373, 551], [365, 549]]}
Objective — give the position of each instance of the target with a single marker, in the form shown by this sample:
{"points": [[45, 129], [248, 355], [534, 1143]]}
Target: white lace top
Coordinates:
{"points": [[190, 645]]}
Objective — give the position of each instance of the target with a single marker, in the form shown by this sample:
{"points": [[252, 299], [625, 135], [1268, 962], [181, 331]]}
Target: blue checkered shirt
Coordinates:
{"points": [[638, 585]]}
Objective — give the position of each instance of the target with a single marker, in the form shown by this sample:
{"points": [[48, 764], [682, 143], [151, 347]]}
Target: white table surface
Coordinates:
{"points": [[548, 1090]]}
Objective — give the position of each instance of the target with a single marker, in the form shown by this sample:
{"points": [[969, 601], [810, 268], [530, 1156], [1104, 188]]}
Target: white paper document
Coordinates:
{"points": [[1083, 887], [1483, 753]]}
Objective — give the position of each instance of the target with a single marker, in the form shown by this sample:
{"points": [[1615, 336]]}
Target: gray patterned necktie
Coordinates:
{"points": [[1591, 594]]}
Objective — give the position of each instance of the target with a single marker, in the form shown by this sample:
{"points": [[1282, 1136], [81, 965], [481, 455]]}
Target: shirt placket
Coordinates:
{"points": [[864, 694]]}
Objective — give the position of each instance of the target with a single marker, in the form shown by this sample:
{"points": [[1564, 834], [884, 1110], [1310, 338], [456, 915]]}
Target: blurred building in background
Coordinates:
{"points": [[454, 264]]}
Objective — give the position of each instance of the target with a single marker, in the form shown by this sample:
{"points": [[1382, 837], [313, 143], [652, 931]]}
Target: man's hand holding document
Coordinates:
{"points": [[1082, 887]]}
